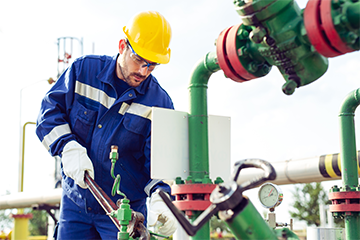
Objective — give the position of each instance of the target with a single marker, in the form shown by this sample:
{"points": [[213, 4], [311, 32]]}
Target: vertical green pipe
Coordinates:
{"points": [[198, 127], [349, 163], [204, 232], [347, 139], [198, 119]]}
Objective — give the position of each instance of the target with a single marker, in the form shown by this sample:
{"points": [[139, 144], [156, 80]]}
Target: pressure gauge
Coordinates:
{"points": [[270, 195]]}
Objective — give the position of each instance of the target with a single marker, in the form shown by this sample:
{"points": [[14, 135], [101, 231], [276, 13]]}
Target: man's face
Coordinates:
{"points": [[128, 69]]}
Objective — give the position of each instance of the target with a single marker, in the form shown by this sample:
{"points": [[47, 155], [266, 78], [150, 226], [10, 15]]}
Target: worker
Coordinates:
{"points": [[100, 101]]}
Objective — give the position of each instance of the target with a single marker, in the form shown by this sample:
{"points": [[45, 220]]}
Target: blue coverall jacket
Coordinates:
{"points": [[83, 105]]}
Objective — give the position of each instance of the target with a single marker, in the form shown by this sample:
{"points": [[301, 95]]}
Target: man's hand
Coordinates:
{"points": [[159, 213], [75, 162]]}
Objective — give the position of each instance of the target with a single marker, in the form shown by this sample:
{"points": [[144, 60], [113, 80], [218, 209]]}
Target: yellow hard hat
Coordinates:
{"points": [[149, 35]]}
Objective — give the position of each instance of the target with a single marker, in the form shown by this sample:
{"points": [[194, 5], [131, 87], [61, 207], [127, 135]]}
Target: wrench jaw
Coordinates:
{"points": [[136, 228]]}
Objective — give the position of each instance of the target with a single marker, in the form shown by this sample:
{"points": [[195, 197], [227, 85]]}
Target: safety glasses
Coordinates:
{"points": [[140, 61]]}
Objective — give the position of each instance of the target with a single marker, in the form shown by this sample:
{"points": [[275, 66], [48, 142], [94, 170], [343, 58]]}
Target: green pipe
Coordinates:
{"points": [[198, 127], [247, 223], [352, 226], [204, 231], [349, 162], [198, 119], [347, 139]]}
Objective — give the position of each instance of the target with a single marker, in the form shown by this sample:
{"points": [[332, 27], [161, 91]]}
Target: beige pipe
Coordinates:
{"points": [[306, 170], [29, 199]]}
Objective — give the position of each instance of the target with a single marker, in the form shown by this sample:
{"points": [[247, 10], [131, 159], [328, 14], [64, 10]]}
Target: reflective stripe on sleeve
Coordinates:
{"points": [[136, 109], [94, 94], [55, 133], [148, 187]]}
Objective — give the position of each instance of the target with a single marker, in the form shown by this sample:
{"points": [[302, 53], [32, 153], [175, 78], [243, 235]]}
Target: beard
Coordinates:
{"points": [[133, 79]]}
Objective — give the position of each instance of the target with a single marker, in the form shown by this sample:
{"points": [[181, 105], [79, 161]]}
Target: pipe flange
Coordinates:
{"points": [[233, 51], [327, 13], [223, 58], [315, 32], [273, 9], [192, 197], [244, 9], [252, 13], [247, 11], [345, 202]]}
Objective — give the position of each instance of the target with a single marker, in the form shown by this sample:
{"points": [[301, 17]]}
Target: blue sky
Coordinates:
{"points": [[265, 123]]}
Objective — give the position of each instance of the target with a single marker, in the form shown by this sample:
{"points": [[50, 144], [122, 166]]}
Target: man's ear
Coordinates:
{"points": [[122, 46]]}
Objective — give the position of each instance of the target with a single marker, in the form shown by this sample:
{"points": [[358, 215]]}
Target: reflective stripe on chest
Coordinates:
{"points": [[94, 94], [136, 109], [107, 101]]}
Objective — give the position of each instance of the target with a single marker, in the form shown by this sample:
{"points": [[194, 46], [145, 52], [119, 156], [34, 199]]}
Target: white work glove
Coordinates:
{"points": [[75, 162], [160, 214]]}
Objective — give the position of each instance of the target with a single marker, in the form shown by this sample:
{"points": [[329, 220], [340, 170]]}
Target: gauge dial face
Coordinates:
{"points": [[270, 195]]}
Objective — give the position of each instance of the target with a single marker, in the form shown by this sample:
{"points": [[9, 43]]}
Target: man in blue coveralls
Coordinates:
{"points": [[101, 101]]}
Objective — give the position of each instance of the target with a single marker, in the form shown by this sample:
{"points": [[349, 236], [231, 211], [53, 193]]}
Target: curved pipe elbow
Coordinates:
{"points": [[204, 68], [350, 103]]}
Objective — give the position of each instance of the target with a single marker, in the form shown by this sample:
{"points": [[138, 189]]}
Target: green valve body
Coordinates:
{"points": [[298, 42], [277, 37], [123, 215]]}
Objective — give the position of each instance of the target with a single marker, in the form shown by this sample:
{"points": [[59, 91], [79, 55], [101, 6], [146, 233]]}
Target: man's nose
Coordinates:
{"points": [[143, 70]]}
